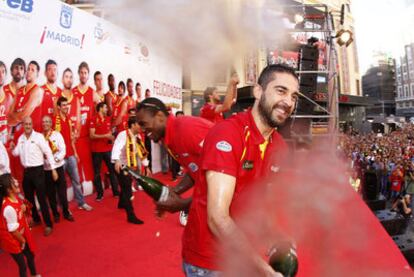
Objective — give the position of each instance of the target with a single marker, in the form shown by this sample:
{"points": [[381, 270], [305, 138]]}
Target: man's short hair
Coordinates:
{"points": [[67, 70], [17, 62], [110, 75], [129, 80], [152, 105], [61, 100], [268, 73], [208, 92], [122, 84], [96, 74], [99, 106], [137, 84], [179, 113], [3, 65], [132, 120], [83, 65], [35, 64], [50, 62]]}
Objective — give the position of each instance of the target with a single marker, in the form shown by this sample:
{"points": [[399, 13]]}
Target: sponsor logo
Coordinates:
{"points": [[99, 34], [247, 165], [143, 53], [22, 5], [62, 38], [16, 10], [185, 155], [193, 167], [224, 146], [66, 16]]}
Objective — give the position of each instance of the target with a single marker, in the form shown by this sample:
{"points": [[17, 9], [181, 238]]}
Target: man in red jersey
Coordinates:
{"points": [[73, 102], [28, 102], [110, 97], [5, 103], [119, 109], [99, 95], [236, 155], [3, 72], [85, 95], [138, 92], [213, 110], [102, 141], [17, 70], [51, 91], [127, 103], [185, 146]]}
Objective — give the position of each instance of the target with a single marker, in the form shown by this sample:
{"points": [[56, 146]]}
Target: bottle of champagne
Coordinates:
{"points": [[154, 188], [283, 258]]}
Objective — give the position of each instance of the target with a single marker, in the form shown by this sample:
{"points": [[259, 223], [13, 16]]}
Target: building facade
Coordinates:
{"points": [[249, 66], [405, 83], [378, 84]]}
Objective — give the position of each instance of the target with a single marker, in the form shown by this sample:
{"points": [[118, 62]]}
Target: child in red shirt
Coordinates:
{"points": [[15, 236]]}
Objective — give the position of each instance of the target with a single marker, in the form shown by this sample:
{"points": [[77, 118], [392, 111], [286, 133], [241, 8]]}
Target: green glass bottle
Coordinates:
{"points": [[154, 188], [283, 258]]}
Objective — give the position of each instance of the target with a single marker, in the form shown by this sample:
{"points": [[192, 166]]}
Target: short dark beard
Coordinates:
{"points": [[265, 113], [16, 80]]}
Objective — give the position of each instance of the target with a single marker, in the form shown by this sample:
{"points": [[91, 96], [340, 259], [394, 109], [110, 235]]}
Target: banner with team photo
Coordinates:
{"points": [[49, 29]]}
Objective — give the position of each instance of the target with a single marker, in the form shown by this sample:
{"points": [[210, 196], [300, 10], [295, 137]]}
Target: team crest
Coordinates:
{"points": [[66, 17], [193, 167]]}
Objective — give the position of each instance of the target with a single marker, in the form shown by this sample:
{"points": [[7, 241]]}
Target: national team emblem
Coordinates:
{"points": [[66, 17], [193, 167]]}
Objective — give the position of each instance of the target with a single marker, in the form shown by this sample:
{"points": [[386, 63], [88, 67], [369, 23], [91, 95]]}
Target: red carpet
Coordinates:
{"points": [[102, 243]]}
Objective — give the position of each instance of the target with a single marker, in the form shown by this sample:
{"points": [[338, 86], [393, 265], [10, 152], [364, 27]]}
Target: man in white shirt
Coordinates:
{"points": [[32, 148], [4, 160], [119, 156], [58, 147]]}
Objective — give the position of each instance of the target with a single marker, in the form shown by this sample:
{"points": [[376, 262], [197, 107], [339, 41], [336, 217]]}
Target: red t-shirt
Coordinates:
{"points": [[208, 111], [50, 96], [184, 145], [396, 180], [102, 126], [64, 127], [7, 241], [86, 106], [231, 147]]}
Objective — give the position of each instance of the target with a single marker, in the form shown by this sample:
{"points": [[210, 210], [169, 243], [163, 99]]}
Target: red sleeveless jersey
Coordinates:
{"points": [[113, 100], [50, 96], [10, 92], [5, 103], [73, 109], [7, 241], [86, 106], [117, 109], [23, 95]]}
